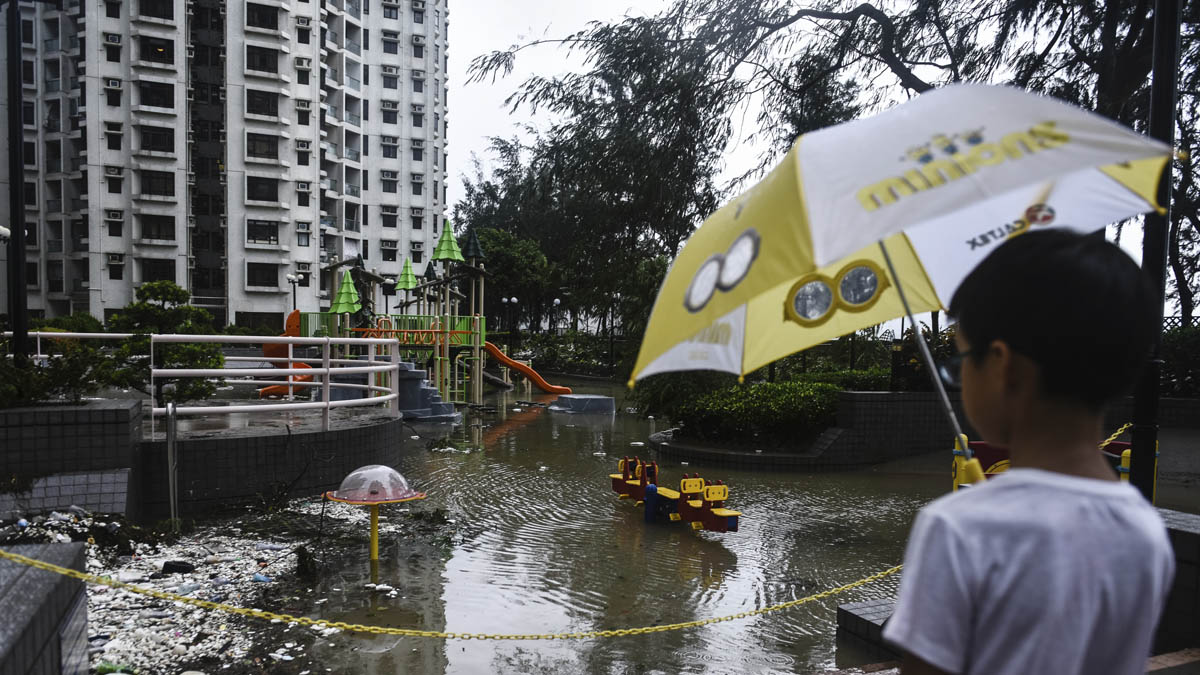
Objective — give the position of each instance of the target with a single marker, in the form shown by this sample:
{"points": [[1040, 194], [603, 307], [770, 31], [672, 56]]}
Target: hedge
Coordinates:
{"points": [[781, 410]]}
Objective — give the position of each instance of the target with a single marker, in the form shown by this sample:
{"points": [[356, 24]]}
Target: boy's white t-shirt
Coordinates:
{"points": [[1034, 572]]}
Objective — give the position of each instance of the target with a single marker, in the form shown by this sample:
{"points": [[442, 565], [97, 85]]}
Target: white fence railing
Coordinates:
{"points": [[382, 361]]}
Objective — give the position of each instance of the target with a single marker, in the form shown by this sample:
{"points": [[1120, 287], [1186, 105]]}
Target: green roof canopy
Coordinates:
{"points": [[346, 301], [407, 280], [473, 249], [447, 248]]}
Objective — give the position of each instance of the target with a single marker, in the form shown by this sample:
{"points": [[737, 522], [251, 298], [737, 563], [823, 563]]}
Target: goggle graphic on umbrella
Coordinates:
{"points": [[855, 288], [722, 271]]}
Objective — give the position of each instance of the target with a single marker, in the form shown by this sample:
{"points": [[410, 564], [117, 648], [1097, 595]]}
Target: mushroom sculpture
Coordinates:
{"points": [[373, 485]]}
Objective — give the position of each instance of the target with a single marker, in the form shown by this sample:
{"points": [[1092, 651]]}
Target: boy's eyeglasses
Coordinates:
{"points": [[950, 370]]}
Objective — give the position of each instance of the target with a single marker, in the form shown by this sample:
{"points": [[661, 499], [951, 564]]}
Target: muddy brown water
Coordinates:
{"points": [[544, 546]]}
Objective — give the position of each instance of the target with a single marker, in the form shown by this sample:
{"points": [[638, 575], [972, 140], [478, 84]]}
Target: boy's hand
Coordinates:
{"points": [[915, 666]]}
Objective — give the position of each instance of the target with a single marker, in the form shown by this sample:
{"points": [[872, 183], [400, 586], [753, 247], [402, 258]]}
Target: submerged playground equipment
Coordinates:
{"points": [[698, 502], [371, 486], [431, 328]]}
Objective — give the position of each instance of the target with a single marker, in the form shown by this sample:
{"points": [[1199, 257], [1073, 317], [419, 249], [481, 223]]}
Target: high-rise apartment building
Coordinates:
{"points": [[227, 146]]}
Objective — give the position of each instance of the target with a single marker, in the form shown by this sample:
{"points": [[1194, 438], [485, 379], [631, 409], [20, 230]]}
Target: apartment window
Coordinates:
{"points": [[28, 114], [112, 53], [418, 119], [161, 183], [302, 158], [389, 219], [391, 82], [417, 189], [262, 16], [112, 10], [31, 275], [114, 140], [158, 227], [27, 31], [303, 239], [158, 139], [262, 59], [262, 103], [387, 249], [116, 228], [262, 145], [113, 97], [416, 223], [114, 185], [27, 72], [116, 272], [303, 35], [417, 154], [418, 86], [416, 257], [390, 117], [390, 151], [156, 49], [159, 9], [262, 274], [302, 199], [262, 231], [29, 152], [418, 16], [157, 94], [388, 185], [262, 189], [391, 12], [301, 77], [418, 52], [366, 249], [158, 270], [391, 42], [302, 118]]}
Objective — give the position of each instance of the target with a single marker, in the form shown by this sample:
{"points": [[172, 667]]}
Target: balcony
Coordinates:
{"points": [[329, 184], [353, 191], [54, 205], [53, 86], [54, 245], [52, 45], [352, 225], [352, 154], [354, 47], [354, 83], [353, 9], [54, 165], [328, 221], [354, 118], [54, 285], [74, 83]]}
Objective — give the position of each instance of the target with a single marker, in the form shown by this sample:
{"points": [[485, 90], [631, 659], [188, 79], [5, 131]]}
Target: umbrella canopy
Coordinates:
{"points": [[447, 248], [407, 280], [346, 301], [941, 181], [374, 484]]}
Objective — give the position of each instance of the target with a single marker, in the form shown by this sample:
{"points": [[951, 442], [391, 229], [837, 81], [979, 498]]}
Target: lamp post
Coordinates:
{"points": [[389, 289], [516, 317], [554, 324], [293, 280], [504, 312]]}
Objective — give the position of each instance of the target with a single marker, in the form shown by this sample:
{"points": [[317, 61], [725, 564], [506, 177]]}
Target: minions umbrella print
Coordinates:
{"points": [[940, 181]]}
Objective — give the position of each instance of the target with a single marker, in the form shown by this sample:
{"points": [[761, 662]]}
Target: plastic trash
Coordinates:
{"points": [[213, 559], [106, 668], [637, 444], [267, 546], [60, 517], [78, 510], [178, 567], [22, 523], [219, 581], [184, 589], [262, 577]]}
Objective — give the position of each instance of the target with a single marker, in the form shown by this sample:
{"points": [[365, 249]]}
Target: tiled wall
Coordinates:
{"points": [[45, 614], [1180, 624]]}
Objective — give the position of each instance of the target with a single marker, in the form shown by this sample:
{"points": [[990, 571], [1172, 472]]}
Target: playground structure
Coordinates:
{"points": [[698, 502], [282, 351], [430, 325]]}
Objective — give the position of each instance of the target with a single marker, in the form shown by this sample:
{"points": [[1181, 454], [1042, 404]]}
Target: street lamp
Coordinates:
{"points": [[293, 280], [516, 318], [389, 289], [554, 326]]}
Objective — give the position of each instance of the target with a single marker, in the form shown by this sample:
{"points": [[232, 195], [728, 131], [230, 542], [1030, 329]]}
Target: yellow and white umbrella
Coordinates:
{"points": [[941, 181]]}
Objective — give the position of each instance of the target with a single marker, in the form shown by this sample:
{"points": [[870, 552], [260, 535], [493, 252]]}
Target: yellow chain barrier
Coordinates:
{"points": [[408, 632], [1115, 435]]}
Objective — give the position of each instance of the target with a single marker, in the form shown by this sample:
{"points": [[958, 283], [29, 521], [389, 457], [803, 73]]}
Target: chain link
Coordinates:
{"points": [[1116, 435], [408, 632]]}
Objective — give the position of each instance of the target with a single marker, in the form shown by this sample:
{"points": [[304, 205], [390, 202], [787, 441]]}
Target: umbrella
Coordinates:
{"points": [[346, 301], [934, 184]]}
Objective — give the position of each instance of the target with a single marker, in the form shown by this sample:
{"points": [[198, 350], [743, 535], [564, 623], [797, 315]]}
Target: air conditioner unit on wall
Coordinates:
{"points": [[418, 39], [418, 211], [418, 74], [116, 258], [303, 266], [389, 174], [301, 104], [303, 21], [303, 63], [114, 214], [390, 70], [418, 108], [303, 187], [389, 105], [418, 143], [112, 38], [418, 246], [112, 83], [418, 4], [303, 145]]}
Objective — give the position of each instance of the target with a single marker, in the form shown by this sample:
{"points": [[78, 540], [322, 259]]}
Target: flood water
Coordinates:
{"points": [[546, 547]]}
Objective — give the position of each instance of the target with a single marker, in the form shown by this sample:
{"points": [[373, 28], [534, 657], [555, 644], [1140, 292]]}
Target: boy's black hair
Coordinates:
{"points": [[1076, 305]]}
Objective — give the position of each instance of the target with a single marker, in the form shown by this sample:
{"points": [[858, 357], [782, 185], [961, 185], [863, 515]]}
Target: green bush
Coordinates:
{"points": [[780, 410], [1181, 362], [77, 371], [872, 379]]}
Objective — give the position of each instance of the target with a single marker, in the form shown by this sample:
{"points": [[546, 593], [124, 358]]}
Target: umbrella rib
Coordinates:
{"points": [[924, 349]]}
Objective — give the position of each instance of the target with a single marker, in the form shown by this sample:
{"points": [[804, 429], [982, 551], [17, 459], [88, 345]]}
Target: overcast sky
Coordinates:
{"points": [[477, 110]]}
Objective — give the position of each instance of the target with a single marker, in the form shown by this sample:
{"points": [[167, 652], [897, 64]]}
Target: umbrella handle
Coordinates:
{"points": [[925, 353]]}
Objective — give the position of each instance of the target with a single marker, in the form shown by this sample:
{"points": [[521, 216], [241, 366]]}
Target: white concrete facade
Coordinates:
{"points": [[327, 140]]}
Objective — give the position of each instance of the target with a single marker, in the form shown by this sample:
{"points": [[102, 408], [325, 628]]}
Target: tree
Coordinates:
{"points": [[162, 307], [818, 64], [516, 268]]}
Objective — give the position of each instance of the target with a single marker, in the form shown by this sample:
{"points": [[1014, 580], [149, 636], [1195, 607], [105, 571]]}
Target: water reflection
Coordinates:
{"points": [[549, 548]]}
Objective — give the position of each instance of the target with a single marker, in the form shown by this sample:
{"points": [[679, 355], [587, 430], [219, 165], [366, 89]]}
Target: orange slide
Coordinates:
{"points": [[524, 370], [291, 328]]}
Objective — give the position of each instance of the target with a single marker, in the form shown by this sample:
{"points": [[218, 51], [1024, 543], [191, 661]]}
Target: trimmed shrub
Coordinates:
{"points": [[781, 410], [1181, 362], [873, 379]]}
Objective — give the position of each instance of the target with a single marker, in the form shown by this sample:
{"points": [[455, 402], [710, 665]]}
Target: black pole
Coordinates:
{"points": [[1163, 99], [18, 317]]}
